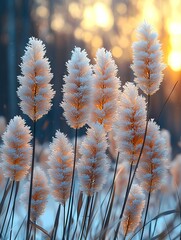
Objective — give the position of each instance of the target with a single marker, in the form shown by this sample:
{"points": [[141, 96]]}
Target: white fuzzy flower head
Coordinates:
{"points": [[133, 211], [35, 91], [76, 89], [105, 90], [93, 165], [152, 169], [147, 60], [40, 193], [16, 149], [61, 167], [130, 124]]}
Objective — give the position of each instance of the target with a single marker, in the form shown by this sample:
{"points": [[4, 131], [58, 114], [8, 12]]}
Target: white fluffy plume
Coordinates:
{"points": [[35, 90], [77, 89], [147, 60], [93, 166]]}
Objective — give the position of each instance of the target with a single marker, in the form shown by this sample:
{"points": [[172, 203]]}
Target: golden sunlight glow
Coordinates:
{"points": [[57, 23], [99, 15], [97, 42], [116, 52], [174, 60], [42, 11], [103, 16], [75, 10]]}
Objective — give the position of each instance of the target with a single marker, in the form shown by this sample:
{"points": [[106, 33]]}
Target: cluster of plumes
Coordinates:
{"points": [[133, 211], [175, 172], [93, 165], [61, 167], [105, 90], [153, 164], [16, 150], [147, 60], [40, 193], [77, 89], [130, 124], [35, 90], [2, 125]]}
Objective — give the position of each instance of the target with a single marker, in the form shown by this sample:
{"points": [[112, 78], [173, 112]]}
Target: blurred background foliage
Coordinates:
{"points": [[90, 24]]}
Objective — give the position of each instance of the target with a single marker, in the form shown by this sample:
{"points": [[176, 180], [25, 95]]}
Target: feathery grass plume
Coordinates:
{"points": [[35, 91], [93, 166], [175, 171], [2, 125], [133, 211], [61, 165], [16, 149], [130, 124], [105, 90], [77, 89], [39, 194], [147, 60], [153, 164]]}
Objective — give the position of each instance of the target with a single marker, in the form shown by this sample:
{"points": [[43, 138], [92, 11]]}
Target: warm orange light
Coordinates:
{"points": [[174, 61], [42, 11], [57, 23], [75, 10], [103, 15], [99, 15], [174, 58], [116, 52]]}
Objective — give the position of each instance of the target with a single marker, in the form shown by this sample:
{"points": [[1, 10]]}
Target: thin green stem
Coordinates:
{"points": [[166, 101], [6, 190], [20, 228], [54, 232], [85, 216], [7, 209], [14, 202], [111, 197], [63, 222], [146, 213], [34, 232], [70, 206], [90, 215], [31, 181]]}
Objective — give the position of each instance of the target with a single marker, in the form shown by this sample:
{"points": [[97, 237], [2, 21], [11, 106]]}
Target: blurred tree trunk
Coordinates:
{"points": [[11, 58]]}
